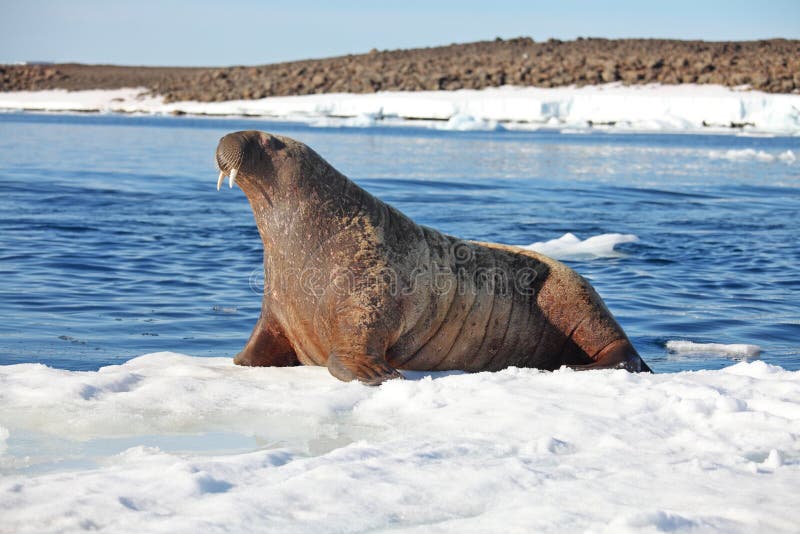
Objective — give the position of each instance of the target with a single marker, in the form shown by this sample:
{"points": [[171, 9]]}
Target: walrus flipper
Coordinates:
{"points": [[618, 355], [267, 346]]}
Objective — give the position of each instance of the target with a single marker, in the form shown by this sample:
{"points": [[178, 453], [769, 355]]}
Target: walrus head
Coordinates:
{"points": [[290, 187], [247, 154]]}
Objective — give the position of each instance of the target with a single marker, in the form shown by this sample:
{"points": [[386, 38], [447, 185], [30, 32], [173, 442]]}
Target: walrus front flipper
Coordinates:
{"points": [[618, 355], [267, 347], [367, 369]]}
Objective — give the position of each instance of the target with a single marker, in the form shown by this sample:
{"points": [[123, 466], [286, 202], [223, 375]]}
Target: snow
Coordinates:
{"points": [[3, 437], [678, 108], [119, 100], [570, 247], [735, 350], [175, 443]]}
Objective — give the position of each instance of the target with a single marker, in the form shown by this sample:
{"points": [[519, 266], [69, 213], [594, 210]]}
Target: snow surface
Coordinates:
{"points": [[681, 108], [174, 443]]}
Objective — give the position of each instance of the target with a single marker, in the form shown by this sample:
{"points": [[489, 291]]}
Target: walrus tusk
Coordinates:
{"points": [[232, 179], [219, 180]]}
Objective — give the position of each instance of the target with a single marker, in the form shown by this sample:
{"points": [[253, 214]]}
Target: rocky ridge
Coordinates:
{"points": [[769, 65]]}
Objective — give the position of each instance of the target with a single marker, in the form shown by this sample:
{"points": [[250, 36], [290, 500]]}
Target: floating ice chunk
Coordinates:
{"points": [[735, 350], [569, 246], [748, 154], [364, 120], [464, 123]]}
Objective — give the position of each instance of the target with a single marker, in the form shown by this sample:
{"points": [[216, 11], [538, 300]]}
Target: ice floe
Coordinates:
{"points": [[654, 108], [176, 443]]}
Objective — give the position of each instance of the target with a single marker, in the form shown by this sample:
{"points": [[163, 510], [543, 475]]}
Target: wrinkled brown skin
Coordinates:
{"points": [[353, 284]]}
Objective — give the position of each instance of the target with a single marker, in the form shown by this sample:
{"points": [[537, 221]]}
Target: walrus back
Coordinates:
{"points": [[501, 306], [576, 323]]}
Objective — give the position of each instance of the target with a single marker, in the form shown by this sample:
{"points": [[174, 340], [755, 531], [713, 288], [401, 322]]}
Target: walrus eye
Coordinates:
{"points": [[274, 143]]}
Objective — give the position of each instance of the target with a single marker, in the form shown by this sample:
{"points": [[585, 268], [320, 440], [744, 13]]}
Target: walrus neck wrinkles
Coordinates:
{"points": [[290, 203]]}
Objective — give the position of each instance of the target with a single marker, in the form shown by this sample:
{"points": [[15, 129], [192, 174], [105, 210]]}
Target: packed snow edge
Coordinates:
{"points": [[650, 108]]}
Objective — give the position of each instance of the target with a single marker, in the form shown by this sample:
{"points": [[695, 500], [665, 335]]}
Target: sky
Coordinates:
{"points": [[251, 32]]}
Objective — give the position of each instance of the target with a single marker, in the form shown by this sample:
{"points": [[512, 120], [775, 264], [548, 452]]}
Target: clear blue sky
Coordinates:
{"points": [[247, 32]]}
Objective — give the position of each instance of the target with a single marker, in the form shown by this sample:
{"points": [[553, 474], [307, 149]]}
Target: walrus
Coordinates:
{"points": [[353, 284]]}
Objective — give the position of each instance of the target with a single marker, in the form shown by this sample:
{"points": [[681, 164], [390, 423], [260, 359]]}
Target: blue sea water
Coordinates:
{"points": [[114, 241]]}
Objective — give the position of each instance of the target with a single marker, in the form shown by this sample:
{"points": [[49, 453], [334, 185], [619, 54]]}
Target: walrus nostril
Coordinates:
{"points": [[230, 151], [229, 157]]}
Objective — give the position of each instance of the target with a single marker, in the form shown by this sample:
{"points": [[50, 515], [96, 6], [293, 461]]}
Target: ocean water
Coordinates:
{"points": [[115, 243]]}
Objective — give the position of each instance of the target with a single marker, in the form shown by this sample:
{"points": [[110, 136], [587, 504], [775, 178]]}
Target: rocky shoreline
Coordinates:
{"points": [[769, 65]]}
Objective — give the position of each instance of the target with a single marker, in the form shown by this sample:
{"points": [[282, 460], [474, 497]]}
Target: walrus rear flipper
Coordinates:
{"points": [[617, 355], [267, 346]]}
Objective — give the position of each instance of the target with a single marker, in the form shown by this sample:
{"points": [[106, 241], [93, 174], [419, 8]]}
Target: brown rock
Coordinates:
{"points": [[318, 80], [771, 65], [609, 75]]}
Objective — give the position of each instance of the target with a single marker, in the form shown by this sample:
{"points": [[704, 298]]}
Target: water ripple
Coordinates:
{"points": [[114, 241]]}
